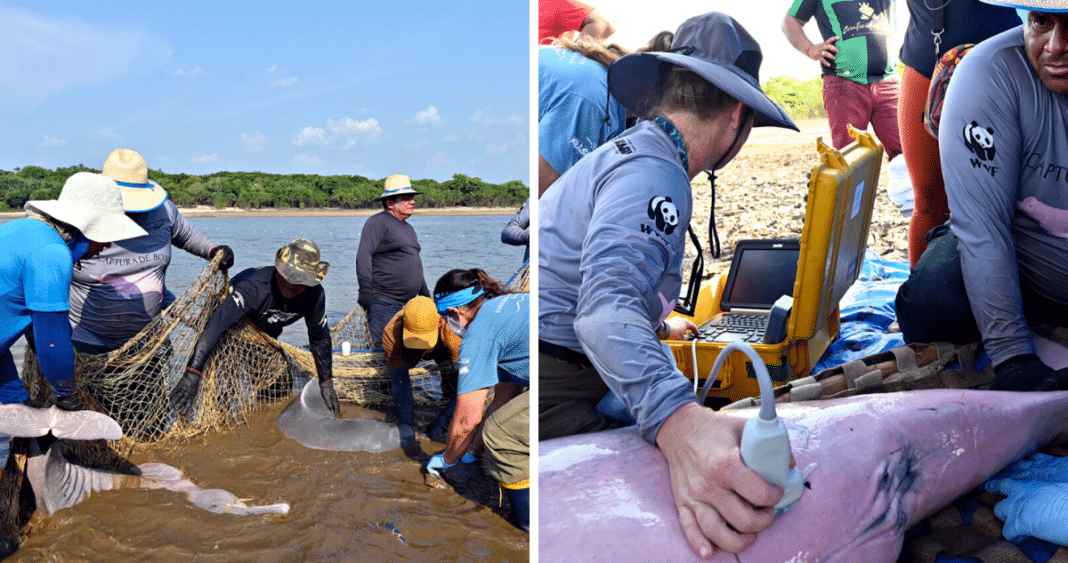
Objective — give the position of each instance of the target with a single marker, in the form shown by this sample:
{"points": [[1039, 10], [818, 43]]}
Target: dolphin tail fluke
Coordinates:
{"points": [[28, 422]]}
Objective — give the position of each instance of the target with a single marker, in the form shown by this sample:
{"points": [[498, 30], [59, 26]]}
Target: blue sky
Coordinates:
{"points": [[423, 88]]}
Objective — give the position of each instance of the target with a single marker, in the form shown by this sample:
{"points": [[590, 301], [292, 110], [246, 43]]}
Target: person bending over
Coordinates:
{"points": [[272, 299]]}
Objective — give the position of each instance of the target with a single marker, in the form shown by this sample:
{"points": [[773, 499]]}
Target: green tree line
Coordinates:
{"points": [[256, 190], [802, 100]]}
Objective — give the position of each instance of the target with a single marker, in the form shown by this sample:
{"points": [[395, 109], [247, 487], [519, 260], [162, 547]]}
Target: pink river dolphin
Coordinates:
{"points": [[874, 466], [59, 484]]}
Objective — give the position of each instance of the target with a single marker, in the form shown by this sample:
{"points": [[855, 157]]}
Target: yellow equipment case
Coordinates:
{"points": [[841, 195]]}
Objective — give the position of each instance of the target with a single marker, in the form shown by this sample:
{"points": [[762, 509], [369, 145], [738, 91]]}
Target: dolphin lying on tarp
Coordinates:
{"points": [[875, 465], [307, 420]]}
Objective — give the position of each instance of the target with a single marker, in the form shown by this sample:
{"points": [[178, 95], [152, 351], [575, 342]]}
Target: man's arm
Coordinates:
{"points": [[794, 29], [319, 339], [185, 236], [232, 309], [516, 232], [370, 236], [982, 189]]}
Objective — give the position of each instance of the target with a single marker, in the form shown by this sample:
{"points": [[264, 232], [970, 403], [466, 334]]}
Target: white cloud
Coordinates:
{"points": [[197, 71], [61, 53], [107, 133], [52, 142], [497, 149], [161, 159], [256, 143], [452, 138], [428, 116], [347, 126], [273, 68], [309, 136], [485, 117], [283, 82], [414, 145], [306, 160], [439, 159], [205, 158]]}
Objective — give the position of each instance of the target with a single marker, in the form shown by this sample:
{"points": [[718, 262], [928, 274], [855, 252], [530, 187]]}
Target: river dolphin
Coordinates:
{"points": [[307, 420], [58, 483], [875, 465]]}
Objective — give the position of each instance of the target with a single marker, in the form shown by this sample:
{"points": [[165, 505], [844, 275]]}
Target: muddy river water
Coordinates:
{"points": [[343, 504], [342, 507]]}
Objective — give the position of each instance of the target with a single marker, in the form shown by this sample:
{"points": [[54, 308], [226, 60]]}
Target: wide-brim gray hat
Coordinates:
{"points": [[129, 170], [714, 46], [397, 184], [91, 203], [1033, 5], [299, 263]]}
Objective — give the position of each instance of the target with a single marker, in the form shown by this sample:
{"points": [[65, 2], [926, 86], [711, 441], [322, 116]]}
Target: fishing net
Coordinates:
{"points": [[247, 371]]}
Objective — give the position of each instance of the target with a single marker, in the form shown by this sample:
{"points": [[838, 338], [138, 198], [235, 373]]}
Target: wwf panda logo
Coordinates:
{"points": [[664, 213], [979, 140]]}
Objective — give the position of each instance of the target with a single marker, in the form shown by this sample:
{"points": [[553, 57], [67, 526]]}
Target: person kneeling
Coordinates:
{"points": [[495, 352]]}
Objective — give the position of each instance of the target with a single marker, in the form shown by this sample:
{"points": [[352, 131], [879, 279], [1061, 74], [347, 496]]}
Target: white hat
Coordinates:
{"points": [[130, 172], [1032, 5], [91, 203], [397, 184]]}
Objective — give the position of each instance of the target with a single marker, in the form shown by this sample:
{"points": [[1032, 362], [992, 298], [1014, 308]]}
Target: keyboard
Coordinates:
{"points": [[734, 327]]}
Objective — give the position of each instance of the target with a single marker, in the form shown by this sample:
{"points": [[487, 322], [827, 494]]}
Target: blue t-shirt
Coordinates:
{"points": [[572, 93], [35, 273], [496, 347]]}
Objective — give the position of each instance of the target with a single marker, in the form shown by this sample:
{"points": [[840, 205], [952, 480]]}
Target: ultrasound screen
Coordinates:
{"points": [[763, 276]]}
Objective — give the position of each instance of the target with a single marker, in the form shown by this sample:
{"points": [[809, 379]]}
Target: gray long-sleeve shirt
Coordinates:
{"points": [[387, 260], [610, 267], [116, 294], [1004, 145]]}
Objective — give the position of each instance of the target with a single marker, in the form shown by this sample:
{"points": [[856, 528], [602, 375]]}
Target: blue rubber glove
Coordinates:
{"points": [[1037, 503], [436, 466], [468, 458]]}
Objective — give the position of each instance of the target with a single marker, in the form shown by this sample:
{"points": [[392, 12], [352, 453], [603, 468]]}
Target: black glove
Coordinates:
{"points": [[330, 397], [227, 256], [70, 402], [1021, 373], [185, 393], [364, 300]]}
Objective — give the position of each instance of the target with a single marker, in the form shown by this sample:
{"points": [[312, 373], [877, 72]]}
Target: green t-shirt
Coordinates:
{"points": [[862, 28]]}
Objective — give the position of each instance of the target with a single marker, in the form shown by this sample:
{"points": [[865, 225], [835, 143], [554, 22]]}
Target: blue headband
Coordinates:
{"points": [[445, 301]]}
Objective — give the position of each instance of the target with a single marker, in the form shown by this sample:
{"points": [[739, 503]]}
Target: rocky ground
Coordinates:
{"points": [[761, 194]]}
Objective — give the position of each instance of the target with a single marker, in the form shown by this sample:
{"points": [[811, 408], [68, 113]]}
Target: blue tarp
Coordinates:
{"points": [[867, 312]]}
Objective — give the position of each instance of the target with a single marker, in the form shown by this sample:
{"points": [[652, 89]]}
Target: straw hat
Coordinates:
{"points": [[716, 48], [130, 172], [92, 204], [299, 264], [397, 184], [421, 322], [1034, 5]]}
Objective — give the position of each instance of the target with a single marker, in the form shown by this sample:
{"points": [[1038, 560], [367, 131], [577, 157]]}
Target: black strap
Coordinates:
{"points": [[562, 353]]}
